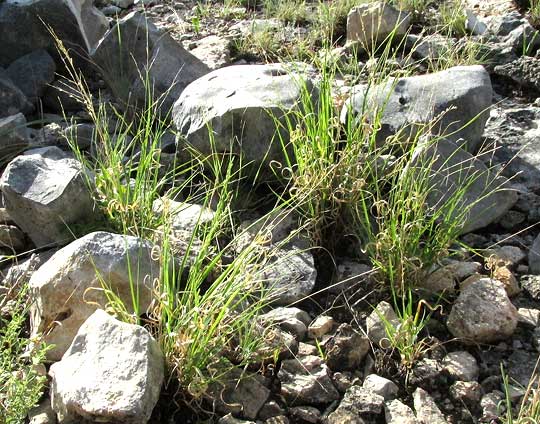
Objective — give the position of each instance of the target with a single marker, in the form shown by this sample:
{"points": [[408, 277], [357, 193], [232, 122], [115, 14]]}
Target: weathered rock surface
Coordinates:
{"points": [[461, 366], [112, 372], [376, 22], [534, 256], [292, 320], [427, 411], [135, 50], [408, 103], [306, 381], [346, 348], [213, 51], [76, 22], [14, 136], [380, 386], [378, 321], [396, 412], [45, 192], [31, 73], [12, 99], [483, 313], [69, 287], [240, 104], [461, 186]]}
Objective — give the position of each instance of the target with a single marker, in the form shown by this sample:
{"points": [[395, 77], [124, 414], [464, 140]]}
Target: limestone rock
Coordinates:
{"points": [[427, 411], [483, 313], [381, 386], [240, 104], [76, 22], [461, 186], [408, 103], [112, 372], [135, 50], [373, 23], [68, 288], [213, 51], [461, 366], [306, 381], [45, 192]]}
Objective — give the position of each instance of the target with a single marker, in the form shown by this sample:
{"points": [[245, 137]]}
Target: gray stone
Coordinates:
{"points": [[82, 135], [292, 320], [321, 326], [361, 401], [346, 349], [490, 405], [534, 256], [396, 412], [123, 4], [306, 381], [69, 287], [524, 71], [350, 274], [134, 51], [407, 104], [461, 365], [461, 187], [376, 324], [381, 386], [42, 414], [62, 96], [483, 313], [45, 192], [307, 414], [183, 216], [469, 392], [523, 40], [427, 411], [213, 51], [12, 99], [240, 394], [375, 23], [474, 25], [127, 371], [503, 24], [429, 48], [14, 136], [23, 26], [12, 238], [32, 73], [240, 105], [342, 416], [530, 317], [531, 284]]}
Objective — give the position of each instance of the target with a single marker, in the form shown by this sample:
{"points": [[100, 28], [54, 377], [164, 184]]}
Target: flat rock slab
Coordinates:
{"points": [[112, 373]]}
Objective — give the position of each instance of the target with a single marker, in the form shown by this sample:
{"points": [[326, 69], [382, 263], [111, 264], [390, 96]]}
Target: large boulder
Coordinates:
{"points": [[241, 106], [376, 22], [71, 285], [112, 372], [135, 52], [12, 99], [455, 101], [23, 26], [45, 193], [461, 186], [31, 73], [483, 313]]}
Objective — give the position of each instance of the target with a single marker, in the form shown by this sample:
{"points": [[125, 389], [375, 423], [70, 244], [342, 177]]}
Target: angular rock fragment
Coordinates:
{"points": [[112, 372], [45, 193], [31, 73], [70, 286]]}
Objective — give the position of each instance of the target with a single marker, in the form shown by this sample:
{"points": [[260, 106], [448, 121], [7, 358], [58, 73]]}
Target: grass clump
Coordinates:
{"points": [[21, 383], [453, 19], [534, 12], [528, 410]]}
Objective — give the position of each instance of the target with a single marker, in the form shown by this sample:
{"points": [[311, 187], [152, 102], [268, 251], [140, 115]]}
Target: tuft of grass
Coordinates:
{"points": [[534, 12], [453, 18], [528, 410], [417, 8], [21, 383], [293, 12]]}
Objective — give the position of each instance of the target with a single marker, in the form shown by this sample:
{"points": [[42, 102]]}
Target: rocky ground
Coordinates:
{"points": [[336, 327]]}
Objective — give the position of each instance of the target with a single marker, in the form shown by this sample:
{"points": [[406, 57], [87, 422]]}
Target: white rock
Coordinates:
{"points": [[213, 51], [483, 313], [320, 326], [529, 316], [66, 290], [374, 22], [381, 386], [112, 372], [461, 366]]}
